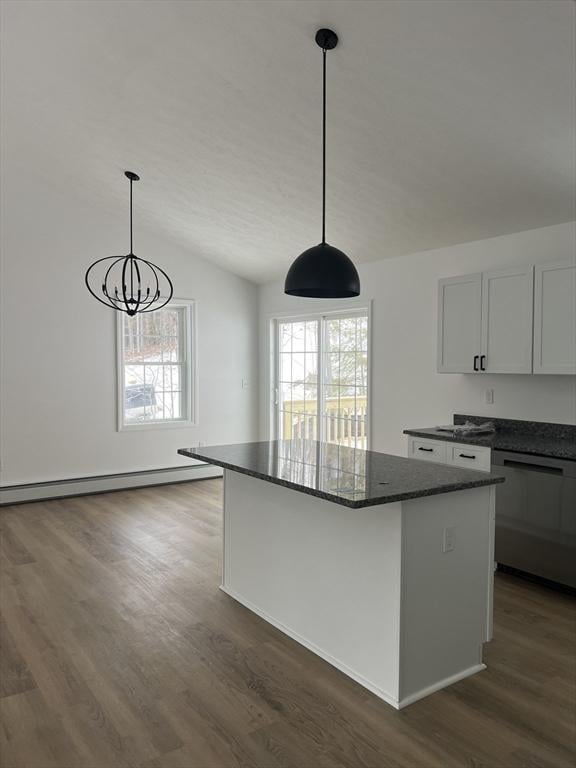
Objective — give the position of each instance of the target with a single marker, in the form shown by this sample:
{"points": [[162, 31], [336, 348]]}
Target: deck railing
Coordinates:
{"points": [[345, 421]]}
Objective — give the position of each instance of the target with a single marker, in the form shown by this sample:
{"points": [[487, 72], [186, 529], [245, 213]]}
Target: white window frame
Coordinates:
{"points": [[274, 359], [190, 371]]}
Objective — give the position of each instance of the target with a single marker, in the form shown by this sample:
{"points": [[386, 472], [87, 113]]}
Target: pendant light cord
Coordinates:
{"points": [[323, 145], [131, 249]]}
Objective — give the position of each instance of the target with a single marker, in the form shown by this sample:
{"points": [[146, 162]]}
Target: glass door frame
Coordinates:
{"points": [[317, 316]]}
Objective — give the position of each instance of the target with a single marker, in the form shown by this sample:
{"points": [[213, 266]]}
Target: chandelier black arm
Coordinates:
{"points": [[148, 300], [157, 269], [131, 303], [153, 309], [121, 304], [105, 280], [117, 304], [134, 266], [91, 267], [110, 302], [170, 286], [123, 278], [153, 267]]}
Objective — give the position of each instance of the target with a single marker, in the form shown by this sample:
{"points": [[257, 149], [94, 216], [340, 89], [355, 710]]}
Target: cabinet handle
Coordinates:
{"points": [[482, 361], [476, 358], [429, 450], [466, 456]]}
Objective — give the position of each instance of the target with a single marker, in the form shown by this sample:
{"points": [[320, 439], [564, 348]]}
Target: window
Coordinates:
{"points": [[322, 378], [155, 370]]}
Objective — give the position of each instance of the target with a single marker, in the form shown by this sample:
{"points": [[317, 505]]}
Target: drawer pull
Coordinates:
{"points": [[428, 450], [467, 456]]}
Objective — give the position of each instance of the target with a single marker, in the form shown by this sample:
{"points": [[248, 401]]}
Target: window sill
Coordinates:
{"points": [[184, 424]]}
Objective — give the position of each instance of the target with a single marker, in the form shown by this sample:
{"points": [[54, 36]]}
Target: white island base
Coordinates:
{"points": [[372, 591]]}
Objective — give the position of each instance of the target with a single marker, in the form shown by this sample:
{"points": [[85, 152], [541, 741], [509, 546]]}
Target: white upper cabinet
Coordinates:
{"points": [[459, 326], [507, 307], [555, 318], [515, 320]]}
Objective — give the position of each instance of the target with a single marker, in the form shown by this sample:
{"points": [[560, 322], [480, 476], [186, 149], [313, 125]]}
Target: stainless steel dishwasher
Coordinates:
{"points": [[536, 516]]}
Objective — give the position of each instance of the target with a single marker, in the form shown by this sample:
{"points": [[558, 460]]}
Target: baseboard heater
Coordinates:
{"points": [[83, 486]]}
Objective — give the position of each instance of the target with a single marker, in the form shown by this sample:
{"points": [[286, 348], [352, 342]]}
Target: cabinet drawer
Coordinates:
{"points": [[427, 450], [469, 456]]}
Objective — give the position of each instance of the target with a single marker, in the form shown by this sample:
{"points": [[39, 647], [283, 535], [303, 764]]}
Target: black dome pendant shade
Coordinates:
{"points": [[323, 271], [128, 283]]}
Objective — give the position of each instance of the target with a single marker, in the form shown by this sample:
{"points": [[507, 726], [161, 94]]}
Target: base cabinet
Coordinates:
{"points": [[444, 452], [470, 457], [371, 591]]}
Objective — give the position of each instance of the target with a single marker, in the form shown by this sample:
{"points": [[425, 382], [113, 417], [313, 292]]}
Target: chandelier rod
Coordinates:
{"points": [[131, 247]]}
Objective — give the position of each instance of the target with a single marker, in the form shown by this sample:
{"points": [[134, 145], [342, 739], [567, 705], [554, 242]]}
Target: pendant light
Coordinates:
{"points": [[323, 271], [128, 283]]}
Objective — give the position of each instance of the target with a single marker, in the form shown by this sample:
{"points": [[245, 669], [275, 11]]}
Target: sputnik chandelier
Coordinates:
{"points": [[128, 283]]}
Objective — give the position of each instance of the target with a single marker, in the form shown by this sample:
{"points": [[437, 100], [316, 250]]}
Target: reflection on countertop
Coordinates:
{"points": [[352, 477]]}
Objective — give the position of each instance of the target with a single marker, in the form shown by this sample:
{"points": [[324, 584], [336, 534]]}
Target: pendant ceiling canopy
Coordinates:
{"points": [[323, 271], [127, 283]]}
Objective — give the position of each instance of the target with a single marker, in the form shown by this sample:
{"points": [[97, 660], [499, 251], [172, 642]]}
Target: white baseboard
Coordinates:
{"points": [[84, 486], [350, 672], [441, 684], [314, 648]]}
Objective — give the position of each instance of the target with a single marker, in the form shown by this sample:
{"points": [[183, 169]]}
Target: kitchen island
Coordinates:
{"points": [[381, 565]]}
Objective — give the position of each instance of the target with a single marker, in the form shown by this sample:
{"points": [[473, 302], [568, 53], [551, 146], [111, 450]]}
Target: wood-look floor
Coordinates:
{"points": [[118, 649]]}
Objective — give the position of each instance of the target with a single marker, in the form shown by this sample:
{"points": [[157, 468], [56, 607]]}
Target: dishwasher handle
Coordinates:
{"points": [[532, 467], [526, 461]]}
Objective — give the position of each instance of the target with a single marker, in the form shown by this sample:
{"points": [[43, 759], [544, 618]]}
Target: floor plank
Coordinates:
{"points": [[117, 648], [15, 676]]}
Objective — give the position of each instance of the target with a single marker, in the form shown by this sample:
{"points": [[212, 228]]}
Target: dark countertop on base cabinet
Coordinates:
{"points": [[536, 438]]}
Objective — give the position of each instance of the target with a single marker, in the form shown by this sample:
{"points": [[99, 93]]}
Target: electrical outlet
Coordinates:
{"points": [[245, 384], [448, 543], [489, 396]]}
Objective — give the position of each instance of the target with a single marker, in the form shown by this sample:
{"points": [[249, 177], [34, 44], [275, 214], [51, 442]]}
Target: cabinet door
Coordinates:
{"points": [[459, 313], [555, 318], [507, 311]]}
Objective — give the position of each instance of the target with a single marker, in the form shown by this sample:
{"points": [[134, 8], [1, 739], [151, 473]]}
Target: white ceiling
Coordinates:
{"points": [[449, 120]]}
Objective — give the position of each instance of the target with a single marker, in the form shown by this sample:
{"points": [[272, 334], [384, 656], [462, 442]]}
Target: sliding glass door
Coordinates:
{"points": [[321, 378]]}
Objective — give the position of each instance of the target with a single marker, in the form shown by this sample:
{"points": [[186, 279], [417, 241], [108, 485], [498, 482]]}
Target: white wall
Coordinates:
{"points": [[58, 344], [406, 390]]}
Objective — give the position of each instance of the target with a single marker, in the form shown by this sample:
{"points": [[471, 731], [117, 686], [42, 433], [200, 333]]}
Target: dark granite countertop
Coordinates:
{"points": [[555, 441], [348, 476]]}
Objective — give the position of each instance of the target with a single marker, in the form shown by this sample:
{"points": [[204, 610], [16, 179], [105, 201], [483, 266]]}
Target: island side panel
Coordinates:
{"points": [[325, 574], [446, 595]]}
